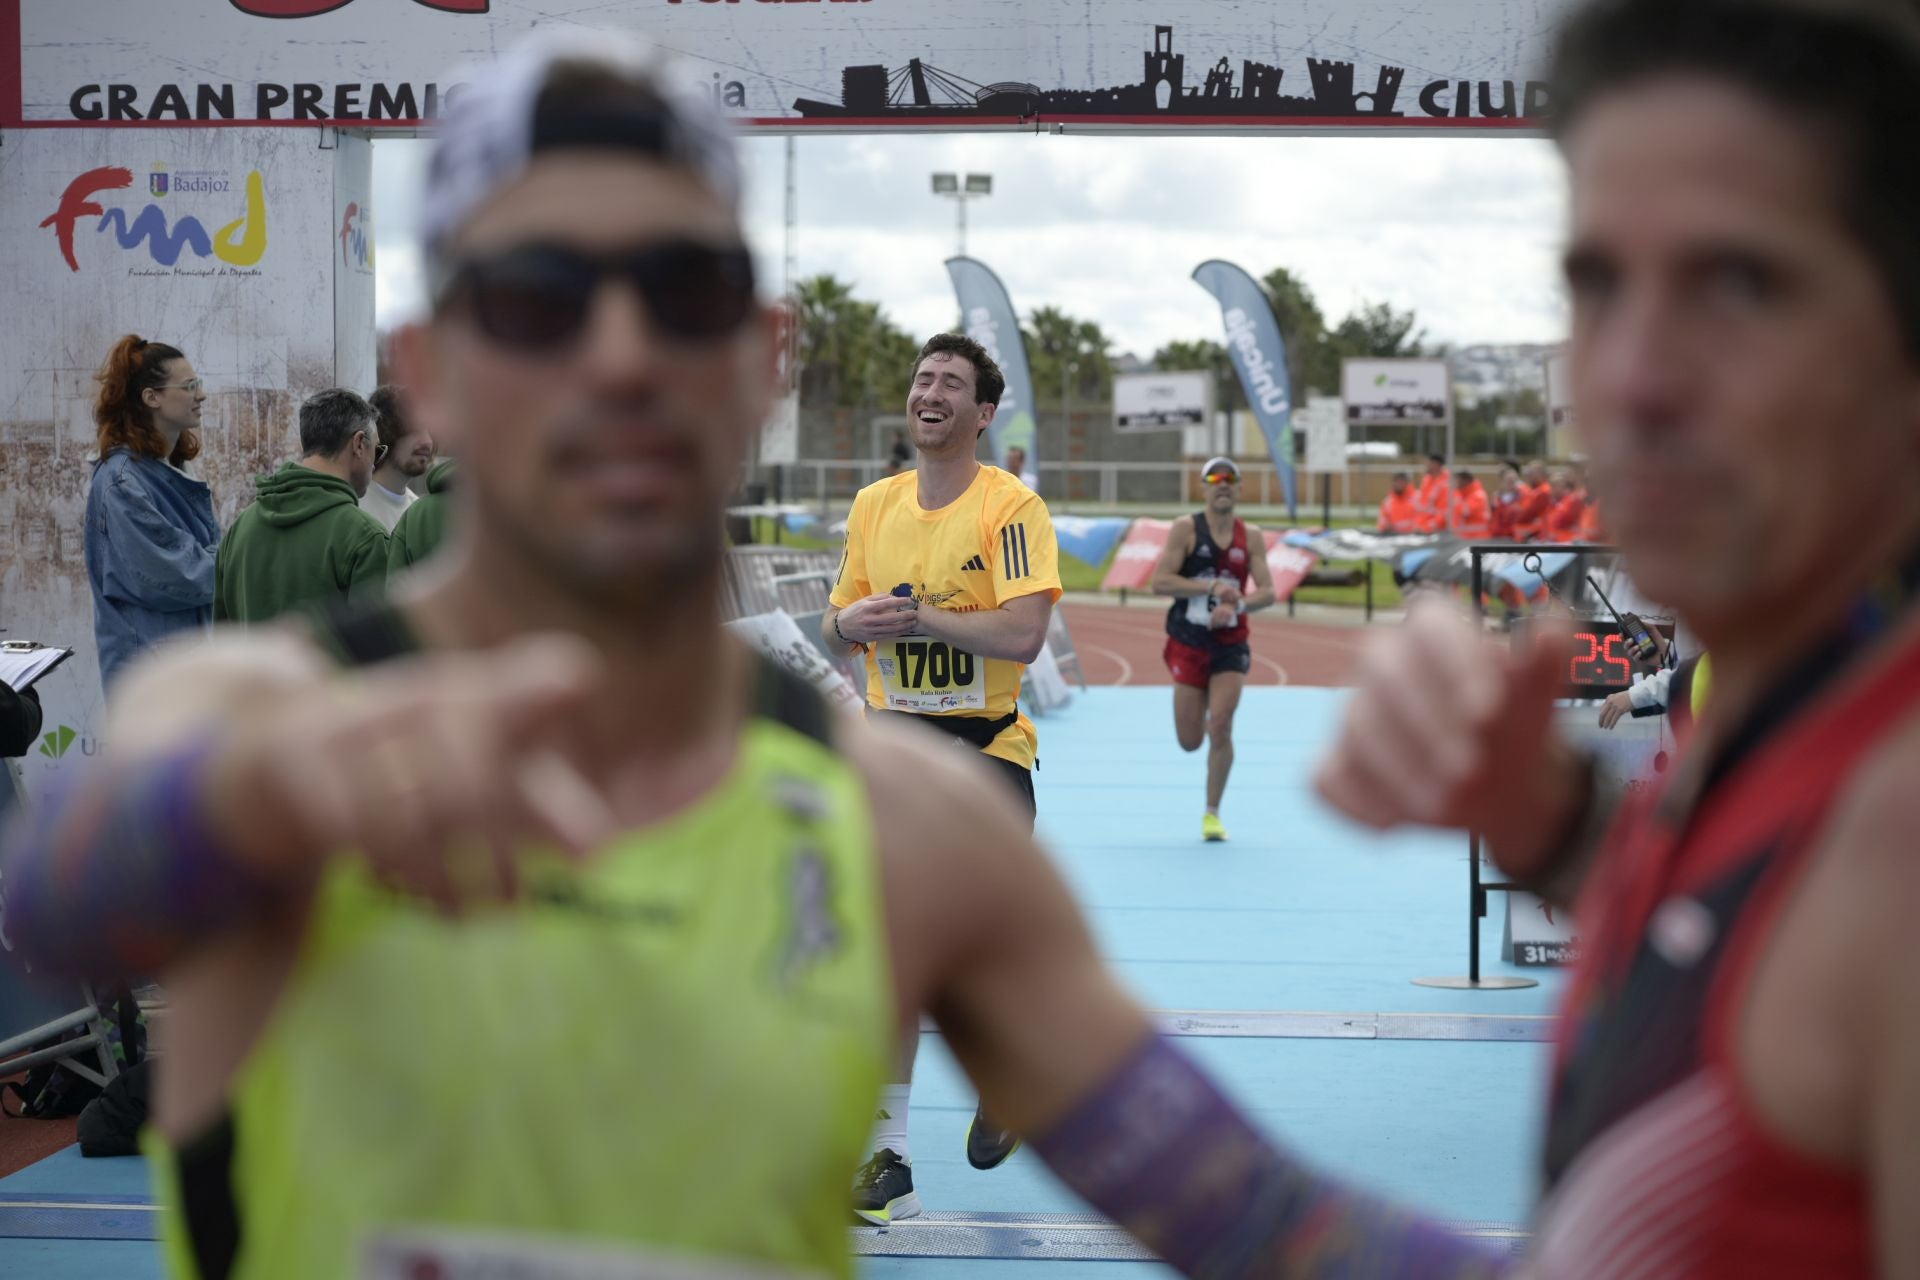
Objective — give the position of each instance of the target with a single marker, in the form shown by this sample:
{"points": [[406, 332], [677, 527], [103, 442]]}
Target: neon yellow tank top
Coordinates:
{"points": [[676, 1047]]}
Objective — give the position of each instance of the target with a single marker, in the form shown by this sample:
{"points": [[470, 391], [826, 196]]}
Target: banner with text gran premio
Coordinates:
{"points": [[225, 243], [989, 318], [1259, 356], [1126, 64]]}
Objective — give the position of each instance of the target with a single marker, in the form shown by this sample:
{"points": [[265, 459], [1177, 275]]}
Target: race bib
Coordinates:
{"points": [[1200, 613], [449, 1255], [921, 675]]}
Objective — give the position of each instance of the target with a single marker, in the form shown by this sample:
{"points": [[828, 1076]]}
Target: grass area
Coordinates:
{"points": [[1385, 594]]}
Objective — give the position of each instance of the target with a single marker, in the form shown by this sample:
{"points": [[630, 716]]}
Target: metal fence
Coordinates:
{"points": [[829, 483]]}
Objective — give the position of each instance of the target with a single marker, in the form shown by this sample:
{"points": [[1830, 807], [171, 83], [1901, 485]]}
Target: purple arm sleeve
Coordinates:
{"points": [[117, 869], [1158, 1149]]}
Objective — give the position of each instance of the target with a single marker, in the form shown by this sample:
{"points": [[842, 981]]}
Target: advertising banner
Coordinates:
{"points": [[1088, 539], [1162, 401], [1259, 357], [990, 320], [863, 64], [1387, 392], [224, 243], [1132, 567]]}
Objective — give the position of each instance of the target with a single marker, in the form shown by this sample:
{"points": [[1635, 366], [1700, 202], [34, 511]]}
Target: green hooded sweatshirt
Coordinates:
{"points": [[305, 541], [423, 524]]}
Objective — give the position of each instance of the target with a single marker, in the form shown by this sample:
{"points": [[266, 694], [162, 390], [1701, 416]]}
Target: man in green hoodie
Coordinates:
{"points": [[306, 540], [423, 525]]}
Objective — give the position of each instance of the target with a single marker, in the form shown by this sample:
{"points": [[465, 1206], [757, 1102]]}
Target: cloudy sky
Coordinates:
{"points": [[1464, 231]]}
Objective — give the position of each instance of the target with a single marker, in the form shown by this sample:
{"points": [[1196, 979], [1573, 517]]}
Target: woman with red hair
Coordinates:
{"points": [[151, 532]]}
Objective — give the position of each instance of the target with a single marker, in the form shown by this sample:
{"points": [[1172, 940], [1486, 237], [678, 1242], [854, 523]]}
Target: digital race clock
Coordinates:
{"points": [[1600, 661]]}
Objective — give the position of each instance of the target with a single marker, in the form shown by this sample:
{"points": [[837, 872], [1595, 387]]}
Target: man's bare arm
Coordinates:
{"points": [[247, 762], [1017, 630], [1166, 572], [985, 935], [1262, 594]]}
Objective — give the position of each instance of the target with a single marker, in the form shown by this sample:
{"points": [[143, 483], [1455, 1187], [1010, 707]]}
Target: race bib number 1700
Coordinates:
{"points": [[922, 676]]}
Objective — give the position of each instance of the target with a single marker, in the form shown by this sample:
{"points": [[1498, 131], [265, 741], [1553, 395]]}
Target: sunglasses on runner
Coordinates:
{"points": [[538, 297], [1221, 477]]}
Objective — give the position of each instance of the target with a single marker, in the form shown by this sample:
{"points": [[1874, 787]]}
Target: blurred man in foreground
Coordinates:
{"points": [[1735, 1089]]}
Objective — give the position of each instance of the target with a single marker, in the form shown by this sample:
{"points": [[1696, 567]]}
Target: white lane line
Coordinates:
{"points": [[1279, 671], [1126, 668]]}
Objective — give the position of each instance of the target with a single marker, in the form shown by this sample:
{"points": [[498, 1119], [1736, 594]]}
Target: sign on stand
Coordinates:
{"points": [[1560, 416], [1399, 393], [1325, 422], [1162, 401], [1537, 932], [1626, 758], [780, 437], [1390, 392]]}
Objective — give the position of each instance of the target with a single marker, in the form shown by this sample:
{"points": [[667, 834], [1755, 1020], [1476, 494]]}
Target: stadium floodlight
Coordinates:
{"points": [[976, 186]]}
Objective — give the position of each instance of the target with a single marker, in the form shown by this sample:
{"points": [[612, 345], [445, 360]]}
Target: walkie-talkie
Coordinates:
{"points": [[1631, 627]]}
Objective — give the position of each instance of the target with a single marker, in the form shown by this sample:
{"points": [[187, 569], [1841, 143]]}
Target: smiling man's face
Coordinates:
{"points": [[943, 410]]}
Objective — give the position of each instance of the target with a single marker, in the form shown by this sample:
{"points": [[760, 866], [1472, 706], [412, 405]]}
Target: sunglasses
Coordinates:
{"points": [[538, 297], [1220, 477]]}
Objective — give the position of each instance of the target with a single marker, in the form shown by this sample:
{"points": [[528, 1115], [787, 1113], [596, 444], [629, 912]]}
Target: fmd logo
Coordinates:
{"points": [[242, 242], [309, 8], [356, 242]]}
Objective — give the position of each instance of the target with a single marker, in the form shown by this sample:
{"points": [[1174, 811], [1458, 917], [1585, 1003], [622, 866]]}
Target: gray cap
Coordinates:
{"points": [[490, 130], [1221, 464]]}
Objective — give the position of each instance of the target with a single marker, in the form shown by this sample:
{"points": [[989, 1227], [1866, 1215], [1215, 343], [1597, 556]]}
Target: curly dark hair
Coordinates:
{"points": [[989, 384]]}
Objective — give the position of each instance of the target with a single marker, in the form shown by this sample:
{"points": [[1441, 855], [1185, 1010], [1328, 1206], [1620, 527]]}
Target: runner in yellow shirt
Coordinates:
{"points": [[948, 584]]}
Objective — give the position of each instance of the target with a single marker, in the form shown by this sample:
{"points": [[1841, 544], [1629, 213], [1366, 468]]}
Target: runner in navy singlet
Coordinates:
{"points": [[1206, 565]]}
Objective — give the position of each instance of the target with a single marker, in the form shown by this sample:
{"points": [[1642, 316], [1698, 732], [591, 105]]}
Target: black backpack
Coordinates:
{"points": [[51, 1092]]}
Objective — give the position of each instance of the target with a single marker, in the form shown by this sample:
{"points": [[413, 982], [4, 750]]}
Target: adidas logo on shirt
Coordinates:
{"points": [[975, 565]]}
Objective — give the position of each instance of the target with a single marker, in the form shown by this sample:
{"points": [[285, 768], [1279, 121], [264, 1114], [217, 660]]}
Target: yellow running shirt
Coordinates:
{"points": [[992, 544]]}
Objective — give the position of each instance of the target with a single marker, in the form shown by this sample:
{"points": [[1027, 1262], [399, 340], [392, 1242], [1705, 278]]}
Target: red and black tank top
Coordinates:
{"points": [[1209, 560], [1656, 1164]]}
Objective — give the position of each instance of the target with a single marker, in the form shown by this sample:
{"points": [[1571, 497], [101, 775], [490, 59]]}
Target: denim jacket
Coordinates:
{"points": [[151, 540]]}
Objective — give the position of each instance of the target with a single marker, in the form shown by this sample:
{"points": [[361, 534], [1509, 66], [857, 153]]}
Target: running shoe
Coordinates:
{"points": [[1211, 829], [988, 1145], [883, 1190]]}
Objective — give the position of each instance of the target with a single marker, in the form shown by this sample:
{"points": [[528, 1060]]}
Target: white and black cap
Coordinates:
{"points": [[502, 118], [1221, 464]]}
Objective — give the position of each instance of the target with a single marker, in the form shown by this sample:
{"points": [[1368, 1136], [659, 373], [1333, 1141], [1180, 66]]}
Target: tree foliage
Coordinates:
{"points": [[1056, 340], [851, 355]]}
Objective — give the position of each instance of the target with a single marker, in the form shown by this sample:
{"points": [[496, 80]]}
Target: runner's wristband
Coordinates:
{"points": [[852, 644]]}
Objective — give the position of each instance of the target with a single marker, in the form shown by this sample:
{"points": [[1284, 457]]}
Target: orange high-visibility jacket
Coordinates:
{"points": [[1400, 513], [1467, 513], [1531, 510], [1564, 521], [1433, 501]]}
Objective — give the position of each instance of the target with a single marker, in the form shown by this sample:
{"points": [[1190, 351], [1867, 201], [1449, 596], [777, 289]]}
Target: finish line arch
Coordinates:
{"points": [[209, 183]]}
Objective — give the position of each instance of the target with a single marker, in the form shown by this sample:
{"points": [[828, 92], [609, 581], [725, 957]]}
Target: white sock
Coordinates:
{"points": [[890, 1125]]}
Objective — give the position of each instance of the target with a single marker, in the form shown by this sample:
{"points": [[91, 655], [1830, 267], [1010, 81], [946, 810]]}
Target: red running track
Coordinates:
{"points": [[1123, 646]]}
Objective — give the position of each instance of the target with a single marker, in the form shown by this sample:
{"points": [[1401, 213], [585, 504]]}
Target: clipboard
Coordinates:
{"points": [[23, 662]]}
